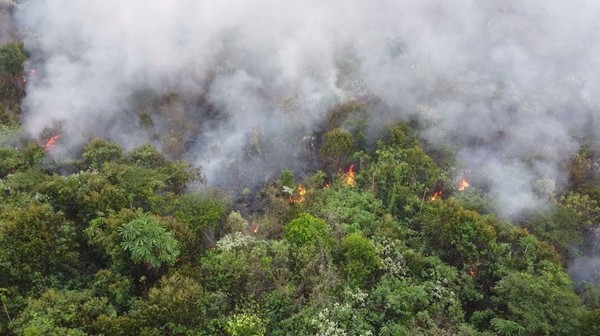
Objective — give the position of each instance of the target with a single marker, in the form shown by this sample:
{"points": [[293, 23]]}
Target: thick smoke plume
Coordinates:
{"points": [[8, 28], [513, 84]]}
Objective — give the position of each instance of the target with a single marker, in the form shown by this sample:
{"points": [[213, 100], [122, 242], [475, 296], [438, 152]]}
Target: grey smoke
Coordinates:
{"points": [[512, 83], [8, 29]]}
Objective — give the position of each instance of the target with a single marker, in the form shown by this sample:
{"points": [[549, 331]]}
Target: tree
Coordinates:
{"points": [[306, 229], [543, 304], [99, 151], [201, 211], [361, 258], [401, 177], [507, 328], [246, 324], [102, 233], [459, 236], [146, 156], [149, 242], [58, 312], [175, 304], [95, 195], [36, 244], [338, 145], [12, 57]]}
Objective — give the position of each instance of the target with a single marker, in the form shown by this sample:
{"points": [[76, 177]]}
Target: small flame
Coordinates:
{"points": [[26, 76], [463, 184], [50, 144], [349, 176], [255, 228], [436, 195], [473, 271], [300, 196]]}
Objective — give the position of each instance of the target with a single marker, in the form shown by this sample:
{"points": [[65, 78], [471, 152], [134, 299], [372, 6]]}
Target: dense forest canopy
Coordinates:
{"points": [[180, 169]]}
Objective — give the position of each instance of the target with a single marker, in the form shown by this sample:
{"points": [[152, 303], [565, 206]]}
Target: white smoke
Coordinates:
{"points": [[513, 83], [7, 27]]}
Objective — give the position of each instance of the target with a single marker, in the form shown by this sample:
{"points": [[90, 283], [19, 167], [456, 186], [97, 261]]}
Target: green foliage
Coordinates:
{"points": [[507, 328], [10, 161], [411, 302], [36, 245], [116, 326], [12, 57], [351, 116], [142, 187], [8, 124], [349, 209], [400, 135], [116, 287], [225, 271], [562, 226], [543, 304], [95, 195], [401, 177], [246, 324], [340, 115], [62, 313], [338, 145], [100, 151], [459, 236], [287, 178], [9, 129], [201, 211], [103, 234], [360, 258], [582, 207], [178, 175], [235, 222], [378, 257], [584, 170], [306, 229], [591, 324], [175, 304], [146, 156], [473, 199], [149, 242], [13, 160]]}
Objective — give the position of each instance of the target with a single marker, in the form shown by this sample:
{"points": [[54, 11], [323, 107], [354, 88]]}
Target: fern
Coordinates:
{"points": [[149, 242], [507, 328]]}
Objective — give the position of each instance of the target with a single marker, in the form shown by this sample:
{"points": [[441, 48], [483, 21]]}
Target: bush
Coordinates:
{"points": [[149, 242], [246, 325], [361, 258], [307, 229], [99, 151]]}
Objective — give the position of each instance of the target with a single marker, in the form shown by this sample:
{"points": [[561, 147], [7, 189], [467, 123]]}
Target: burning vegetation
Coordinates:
{"points": [[398, 231], [50, 144], [299, 195], [349, 176], [463, 184], [436, 195]]}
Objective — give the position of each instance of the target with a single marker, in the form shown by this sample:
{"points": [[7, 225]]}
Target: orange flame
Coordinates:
{"points": [[51, 143], [301, 195], [463, 184], [349, 176], [254, 228], [436, 195]]}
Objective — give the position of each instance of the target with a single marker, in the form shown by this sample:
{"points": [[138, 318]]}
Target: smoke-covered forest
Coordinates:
{"points": [[317, 168]]}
